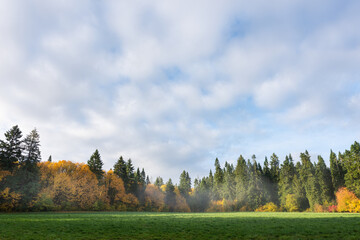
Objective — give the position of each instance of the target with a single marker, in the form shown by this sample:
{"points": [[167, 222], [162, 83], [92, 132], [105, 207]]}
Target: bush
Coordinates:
{"points": [[347, 201], [291, 203], [269, 207]]}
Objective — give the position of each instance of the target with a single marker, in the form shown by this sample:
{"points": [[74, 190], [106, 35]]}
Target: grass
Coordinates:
{"points": [[117, 225]]}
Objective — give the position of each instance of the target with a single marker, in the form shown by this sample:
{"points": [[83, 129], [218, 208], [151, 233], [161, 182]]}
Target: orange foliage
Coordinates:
{"points": [[154, 198], [8, 200], [347, 201], [269, 207], [216, 206], [3, 174], [70, 186], [181, 204]]}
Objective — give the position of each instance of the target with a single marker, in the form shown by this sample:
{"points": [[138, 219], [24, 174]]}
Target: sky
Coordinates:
{"points": [[175, 84]]}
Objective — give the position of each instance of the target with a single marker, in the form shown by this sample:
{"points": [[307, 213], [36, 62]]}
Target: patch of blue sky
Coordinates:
{"points": [[173, 73]]}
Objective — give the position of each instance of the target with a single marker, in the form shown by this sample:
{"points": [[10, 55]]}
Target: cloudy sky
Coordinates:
{"points": [[175, 84]]}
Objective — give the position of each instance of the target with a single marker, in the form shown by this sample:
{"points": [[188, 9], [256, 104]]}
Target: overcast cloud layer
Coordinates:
{"points": [[174, 84]]}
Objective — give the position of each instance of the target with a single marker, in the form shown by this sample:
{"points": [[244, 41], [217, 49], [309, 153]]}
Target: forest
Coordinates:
{"points": [[29, 184]]}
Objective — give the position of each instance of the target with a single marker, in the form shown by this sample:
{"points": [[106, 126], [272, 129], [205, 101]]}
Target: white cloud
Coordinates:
{"points": [[95, 75]]}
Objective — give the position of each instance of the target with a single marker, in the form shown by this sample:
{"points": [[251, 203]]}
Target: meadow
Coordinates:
{"points": [[126, 225]]}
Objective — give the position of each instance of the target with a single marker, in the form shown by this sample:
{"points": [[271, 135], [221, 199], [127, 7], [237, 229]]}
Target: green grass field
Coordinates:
{"points": [[117, 225]]}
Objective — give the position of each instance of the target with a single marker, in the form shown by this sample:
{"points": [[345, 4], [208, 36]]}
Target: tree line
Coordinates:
{"points": [[29, 184]]}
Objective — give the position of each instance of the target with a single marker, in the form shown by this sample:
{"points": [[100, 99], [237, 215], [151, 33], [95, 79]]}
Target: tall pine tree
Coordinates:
{"points": [[95, 164], [11, 149]]}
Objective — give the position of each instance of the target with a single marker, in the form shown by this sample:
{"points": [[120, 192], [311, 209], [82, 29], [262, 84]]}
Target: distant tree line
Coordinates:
{"points": [[27, 184]]}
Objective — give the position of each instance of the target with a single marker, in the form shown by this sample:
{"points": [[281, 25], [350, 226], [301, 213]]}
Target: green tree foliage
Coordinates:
{"points": [[309, 180], [170, 196], [323, 176], [299, 189], [130, 184], [32, 154], [200, 199], [337, 171], [185, 184], [120, 169], [229, 186], [159, 182], [241, 180], [11, 149], [351, 162], [95, 164], [286, 179], [218, 180]]}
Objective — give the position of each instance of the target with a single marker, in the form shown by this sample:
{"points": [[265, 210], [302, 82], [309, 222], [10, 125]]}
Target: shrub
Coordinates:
{"points": [[269, 207], [332, 208], [347, 201], [291, 203]]}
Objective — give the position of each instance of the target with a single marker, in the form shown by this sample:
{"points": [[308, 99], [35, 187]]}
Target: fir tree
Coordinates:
{"points": [[287, 172], [241, 180], [185, 184], [32, 154], [11, 149], [170, 195], [337, 171], [218, 180], [323, 176], [95, 164], [159, 182], [120, 169], [352, 165]]}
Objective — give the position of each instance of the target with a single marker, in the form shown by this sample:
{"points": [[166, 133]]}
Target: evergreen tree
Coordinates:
{"points": [[308, 178], [32, 154], [287, 172], [185, 184], [120, 169], [170, 195], [199, 201], [229, 186], [256, 193], [143, 177], [218, 180], [11, 149], [299, 189], [241, 180], [337, 171], [148, 180], [50, 159], [352, 165], [159, 182], [95, 164], [274, 168], [323, 176], [131, 184], [266, 171]]}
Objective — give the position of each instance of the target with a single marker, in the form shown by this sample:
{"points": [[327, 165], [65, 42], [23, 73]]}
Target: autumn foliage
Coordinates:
{"points": [[347, 201]]}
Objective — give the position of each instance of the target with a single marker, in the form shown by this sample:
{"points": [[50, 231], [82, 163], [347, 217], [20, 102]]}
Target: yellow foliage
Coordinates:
{"points": [[163, 187], [291, 203], [3, 174], [269, 207], [71, 186], [8, 200], [216, 206], [347, 201]]}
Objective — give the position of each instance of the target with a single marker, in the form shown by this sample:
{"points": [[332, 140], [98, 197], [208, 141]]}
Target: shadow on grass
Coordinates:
{"points": [[179, 226]]}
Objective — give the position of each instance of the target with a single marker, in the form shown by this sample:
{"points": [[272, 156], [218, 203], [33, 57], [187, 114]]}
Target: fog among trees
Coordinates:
{"points": [[29, 184]]}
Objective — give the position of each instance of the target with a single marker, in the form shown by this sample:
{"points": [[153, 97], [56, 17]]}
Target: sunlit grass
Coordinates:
{"points": [[115, 225]]}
